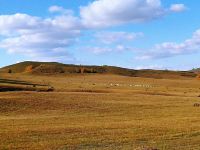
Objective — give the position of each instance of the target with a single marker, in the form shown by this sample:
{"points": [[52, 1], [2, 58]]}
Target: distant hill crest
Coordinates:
{"points": [[40, 68]]}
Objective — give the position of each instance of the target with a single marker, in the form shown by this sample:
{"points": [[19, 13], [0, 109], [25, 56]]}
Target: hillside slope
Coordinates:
{"points": [[59, 68]]}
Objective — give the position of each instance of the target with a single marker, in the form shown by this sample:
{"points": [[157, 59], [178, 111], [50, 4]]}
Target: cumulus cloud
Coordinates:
{"points": [[37, 37], [104, 13], [116, 37], [52, 37], [10, 24], [170, 49], [178, 7]]}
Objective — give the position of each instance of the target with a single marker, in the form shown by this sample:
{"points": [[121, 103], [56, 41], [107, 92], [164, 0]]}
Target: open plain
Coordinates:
{"points": [[101, 111]]}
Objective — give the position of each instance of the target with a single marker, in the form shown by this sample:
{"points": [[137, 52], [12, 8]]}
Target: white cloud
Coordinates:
{"points": [[37, 37], [10, 24], [59, 9], [116, 37], [170, 49], [112, 41], [177, 7], [104, 13], [51, 37]]}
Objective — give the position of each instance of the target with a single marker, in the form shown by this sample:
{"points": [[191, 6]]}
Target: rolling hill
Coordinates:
{"points": [[41, 68]]}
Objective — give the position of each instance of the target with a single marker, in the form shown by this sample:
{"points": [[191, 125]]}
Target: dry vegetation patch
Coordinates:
{"points": [[85, 112]]}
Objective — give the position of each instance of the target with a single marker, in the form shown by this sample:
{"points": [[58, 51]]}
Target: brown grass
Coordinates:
{"points": [[86, 112]]}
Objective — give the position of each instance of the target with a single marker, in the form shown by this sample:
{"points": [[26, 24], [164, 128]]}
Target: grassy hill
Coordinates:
{"points": [[118, 112], [41, 68]]}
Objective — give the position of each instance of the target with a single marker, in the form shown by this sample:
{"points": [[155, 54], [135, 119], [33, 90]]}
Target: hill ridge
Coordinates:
{"points": [[39, 68]]}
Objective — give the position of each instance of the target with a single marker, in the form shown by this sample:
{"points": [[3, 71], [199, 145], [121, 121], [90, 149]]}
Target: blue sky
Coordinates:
{"points": [[138, 34]]}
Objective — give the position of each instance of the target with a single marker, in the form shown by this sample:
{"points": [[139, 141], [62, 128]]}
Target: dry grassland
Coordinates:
{"points": [[101, 112]]}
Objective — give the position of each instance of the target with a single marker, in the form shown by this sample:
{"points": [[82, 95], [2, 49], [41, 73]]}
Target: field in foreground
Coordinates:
{"points": [[101, 112]]}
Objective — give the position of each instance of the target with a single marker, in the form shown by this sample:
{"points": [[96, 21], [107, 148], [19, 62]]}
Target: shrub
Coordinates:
{"points": [[9, 71], [29, 68]]}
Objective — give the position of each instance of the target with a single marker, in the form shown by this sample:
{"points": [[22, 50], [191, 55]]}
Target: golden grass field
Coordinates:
{"points": [[101, 112]]}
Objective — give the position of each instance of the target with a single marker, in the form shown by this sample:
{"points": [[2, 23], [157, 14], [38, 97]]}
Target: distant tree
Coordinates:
{"points": [[77, 70], [194, 68], [91, 70], [9, 71], [82, 70], [62, 71]]}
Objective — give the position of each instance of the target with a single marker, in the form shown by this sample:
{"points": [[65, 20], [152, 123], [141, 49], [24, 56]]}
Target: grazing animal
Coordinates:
{"points": [[116, 84], [50, 89]]}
